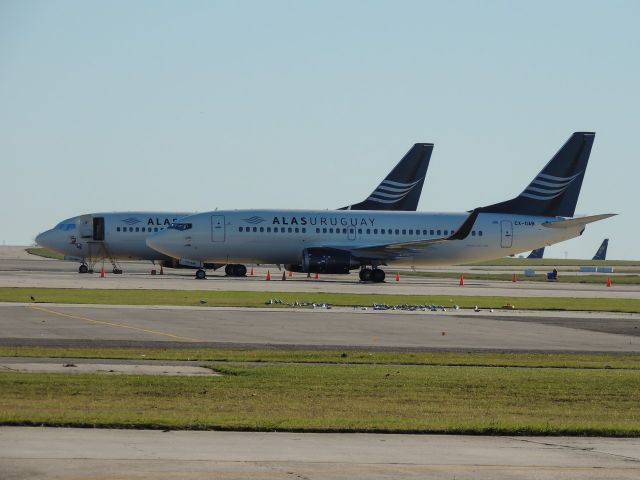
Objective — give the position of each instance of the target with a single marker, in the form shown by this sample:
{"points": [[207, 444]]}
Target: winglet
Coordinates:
{"points": [[465, 229]]}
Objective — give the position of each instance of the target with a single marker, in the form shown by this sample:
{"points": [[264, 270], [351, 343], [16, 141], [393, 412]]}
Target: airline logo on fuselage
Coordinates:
{"points": [[158, 222], [330, 221]]}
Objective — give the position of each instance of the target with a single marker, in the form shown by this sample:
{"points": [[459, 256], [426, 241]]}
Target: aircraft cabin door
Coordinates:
{"points": [[98, 229], [507, 234], [217, 228]]}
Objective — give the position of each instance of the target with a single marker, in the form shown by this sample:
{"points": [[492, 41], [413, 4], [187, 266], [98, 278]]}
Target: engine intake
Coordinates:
{"points": [[327, 260]]}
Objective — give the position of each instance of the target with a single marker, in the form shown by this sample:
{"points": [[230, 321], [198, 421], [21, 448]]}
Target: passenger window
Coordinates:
{"points": [[137, 229], [255, 229], [404, 232], [382, 231], [431, 232], [397, 231], [324, 230], [239, 229], [439, 232], [344, 230], [368, 231], [473, 233], [297, 230], [410, 232], [331, 230], [268, 229], [360, 231], [261, 229], [304, 230], [375, 231], [155, 229], [290, 229], [479, 233], [424, 232], [131, 229], [117, 229], [317, 230], [446, 232]]}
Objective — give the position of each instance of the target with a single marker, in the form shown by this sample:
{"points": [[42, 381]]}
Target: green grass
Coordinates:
{"points": [[479, 400], [44, 252], [335, 356], [258, 299]]}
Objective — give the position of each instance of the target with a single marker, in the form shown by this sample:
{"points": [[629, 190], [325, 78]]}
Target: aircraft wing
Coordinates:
{"points": [[404, 249], [578, 221]]}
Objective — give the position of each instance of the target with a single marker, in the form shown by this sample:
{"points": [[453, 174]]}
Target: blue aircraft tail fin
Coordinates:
{"points": [[537, 253], [554, 191], [401, 189], [601, 254]]}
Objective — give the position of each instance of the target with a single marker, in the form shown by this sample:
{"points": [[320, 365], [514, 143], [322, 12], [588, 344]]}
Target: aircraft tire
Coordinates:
{"points": [[378, 275], [366, 274], [228, 270], [83, 269], [239, 271], [201, 274]]}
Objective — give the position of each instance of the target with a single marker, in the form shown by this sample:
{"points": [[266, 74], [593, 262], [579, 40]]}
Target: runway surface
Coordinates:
{"points": [[91, 325], [63, 453]]}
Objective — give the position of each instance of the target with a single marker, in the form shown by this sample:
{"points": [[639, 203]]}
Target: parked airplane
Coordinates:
{"points": [[95, 237], [601, 254], [537, 253], [336, 242]]}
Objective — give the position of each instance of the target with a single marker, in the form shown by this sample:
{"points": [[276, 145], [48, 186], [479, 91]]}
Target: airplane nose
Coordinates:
{"points": [[44, 239]]}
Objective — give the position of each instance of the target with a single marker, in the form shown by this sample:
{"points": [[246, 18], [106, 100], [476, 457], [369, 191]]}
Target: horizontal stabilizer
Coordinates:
{"points": [[578, 221]]}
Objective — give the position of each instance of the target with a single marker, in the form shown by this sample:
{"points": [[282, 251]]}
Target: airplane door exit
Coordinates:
{"points": [[217, 228], [507, 234]]}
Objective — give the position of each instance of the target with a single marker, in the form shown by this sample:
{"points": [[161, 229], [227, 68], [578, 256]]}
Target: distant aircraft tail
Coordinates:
{"points": [[401, 189], [601, 254], [554, 191], [537, 253]]}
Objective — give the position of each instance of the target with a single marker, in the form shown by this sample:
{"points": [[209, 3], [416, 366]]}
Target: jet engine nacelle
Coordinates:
{"points": [[327, 260]]}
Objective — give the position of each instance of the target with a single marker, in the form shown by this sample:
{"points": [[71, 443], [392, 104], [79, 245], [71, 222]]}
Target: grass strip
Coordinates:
{"points": [[44, 252], [258, 299], [336, 356], [337, 398]]}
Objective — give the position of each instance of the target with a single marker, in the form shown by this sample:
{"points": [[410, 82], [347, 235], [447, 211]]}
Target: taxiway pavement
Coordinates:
{"points": [[37, 453]]}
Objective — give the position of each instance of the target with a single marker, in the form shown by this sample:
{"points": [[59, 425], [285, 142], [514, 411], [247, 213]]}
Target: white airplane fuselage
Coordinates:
{"points": [[123, 234], [280, 236]]}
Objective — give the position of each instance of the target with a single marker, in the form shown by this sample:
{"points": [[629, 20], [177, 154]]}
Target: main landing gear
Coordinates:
{"points": [[235, 270], [83, 268], [375, 275]]}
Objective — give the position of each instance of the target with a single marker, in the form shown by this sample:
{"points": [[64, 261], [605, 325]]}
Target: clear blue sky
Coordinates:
{"points": [[197, 105]]}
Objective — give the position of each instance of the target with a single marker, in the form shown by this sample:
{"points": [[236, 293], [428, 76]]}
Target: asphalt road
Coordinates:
{"points": [[91, 325], [63, 453]]}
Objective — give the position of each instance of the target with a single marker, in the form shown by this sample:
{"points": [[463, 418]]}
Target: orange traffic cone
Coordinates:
{"points": [[252, 272], [290, 273], [514, 279], [284, 276], [317, 276], [102, 273], [608, 281], [462, 280], [268, 275], [397, 276]]}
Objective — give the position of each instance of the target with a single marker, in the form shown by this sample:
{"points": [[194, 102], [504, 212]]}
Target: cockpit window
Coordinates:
{"points": [[181, 226], [65, 227]]}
